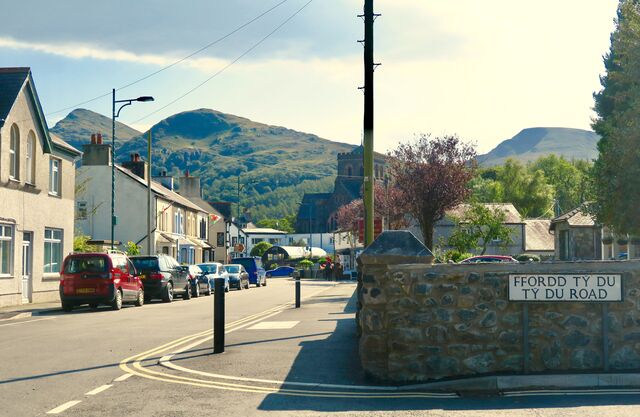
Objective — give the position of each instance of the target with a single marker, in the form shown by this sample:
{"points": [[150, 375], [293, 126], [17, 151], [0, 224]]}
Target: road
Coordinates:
{"points": [[156, 361]]}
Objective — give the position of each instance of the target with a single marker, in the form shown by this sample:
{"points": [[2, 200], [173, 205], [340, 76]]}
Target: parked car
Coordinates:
{"points": [[238, 276], [281, 271], [213, 270], [489, 259], [162, 277], [99, 278], [254, 268], [199, 282]]}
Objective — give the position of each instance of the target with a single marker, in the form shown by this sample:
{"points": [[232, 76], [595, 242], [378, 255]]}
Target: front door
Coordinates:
{"points": [[27, 240]]}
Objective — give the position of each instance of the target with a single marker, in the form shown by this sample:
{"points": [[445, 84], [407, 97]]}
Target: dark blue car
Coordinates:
{"points": [[281, 271], [254, 268]]}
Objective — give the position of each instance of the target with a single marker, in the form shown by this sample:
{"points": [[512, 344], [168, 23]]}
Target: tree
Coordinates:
{"points": [[285, 224], [433, 176], [527, 190], [615, 178], [80, 244], [388, 205], [260, 248], [478, 226], [132, 249], [568, 179]]}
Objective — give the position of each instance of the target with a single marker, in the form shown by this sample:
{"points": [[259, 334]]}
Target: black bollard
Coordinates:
{"points": [[297, 277], [218, 315]]}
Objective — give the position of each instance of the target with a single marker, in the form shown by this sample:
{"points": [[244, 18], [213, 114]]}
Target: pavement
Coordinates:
{"points": [[27, 310], [157, 361]]}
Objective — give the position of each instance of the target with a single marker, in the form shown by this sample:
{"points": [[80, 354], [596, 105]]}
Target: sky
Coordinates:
{"points": [[483, 70]]}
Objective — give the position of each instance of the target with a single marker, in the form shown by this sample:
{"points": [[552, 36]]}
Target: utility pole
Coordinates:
{"points": [[369, 68], [149, 242]]}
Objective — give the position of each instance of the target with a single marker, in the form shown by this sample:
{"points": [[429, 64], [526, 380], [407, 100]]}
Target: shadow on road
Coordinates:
{"points": [[335, 360]]}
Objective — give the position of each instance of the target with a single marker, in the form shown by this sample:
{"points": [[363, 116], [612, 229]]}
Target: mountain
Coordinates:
{"points": [[276, 165], [532, 143], [80, 124]]}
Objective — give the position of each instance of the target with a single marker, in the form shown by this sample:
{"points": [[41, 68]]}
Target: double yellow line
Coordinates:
{"points": [[134, 365]]}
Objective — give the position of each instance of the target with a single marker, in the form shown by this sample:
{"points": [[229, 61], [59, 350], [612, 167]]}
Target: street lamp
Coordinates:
{"points": [[115, 115], [240, 188]]}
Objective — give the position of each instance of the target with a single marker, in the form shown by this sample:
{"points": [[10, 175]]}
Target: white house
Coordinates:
{"points": [[37, 178]]}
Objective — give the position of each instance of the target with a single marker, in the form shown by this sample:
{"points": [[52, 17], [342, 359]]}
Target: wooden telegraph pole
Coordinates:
{"points": [[369, 67]]}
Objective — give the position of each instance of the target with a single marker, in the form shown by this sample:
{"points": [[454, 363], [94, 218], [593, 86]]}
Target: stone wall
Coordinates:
{"points": [[422, 322]]}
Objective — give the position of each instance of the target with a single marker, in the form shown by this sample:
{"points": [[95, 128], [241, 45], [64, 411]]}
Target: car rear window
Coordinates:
{"points": [[234, 269], [146, 264], [82, 264], [209, 269]]}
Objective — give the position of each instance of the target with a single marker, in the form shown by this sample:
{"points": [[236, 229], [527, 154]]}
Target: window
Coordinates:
{"points": [[6, 245], [220, 239], [256, 240], [30, 161], [81, 213], [234, 241], [54, 176], [178, 222], [52, 250], [14, 153], [203, 229]]}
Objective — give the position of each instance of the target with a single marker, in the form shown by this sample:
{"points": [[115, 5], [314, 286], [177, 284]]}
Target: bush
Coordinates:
{"points": [[80, 244], [305, 263], [132, 249], [528, 258], [260, 248]]}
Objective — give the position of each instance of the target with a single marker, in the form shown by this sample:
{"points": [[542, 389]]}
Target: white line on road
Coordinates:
{"points": [[123, 377], [24, 322], [99, 390], [63, 407]]}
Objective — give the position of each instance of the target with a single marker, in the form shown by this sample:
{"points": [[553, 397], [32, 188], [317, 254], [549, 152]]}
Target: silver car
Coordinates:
{"points": [[213, 270]]}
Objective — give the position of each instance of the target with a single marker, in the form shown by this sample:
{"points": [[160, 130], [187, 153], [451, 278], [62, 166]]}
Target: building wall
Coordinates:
{"points": [[584, 243], [31, 209]]}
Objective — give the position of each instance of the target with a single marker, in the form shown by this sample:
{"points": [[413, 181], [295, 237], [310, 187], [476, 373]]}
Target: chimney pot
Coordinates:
{"points": [[186, 173], [93, 138], [99, 138]]}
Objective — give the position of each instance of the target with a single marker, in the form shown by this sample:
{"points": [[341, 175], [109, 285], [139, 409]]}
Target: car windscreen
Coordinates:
{"points": [[83, 264], [232, 269], [208, 269], [146, 264]]}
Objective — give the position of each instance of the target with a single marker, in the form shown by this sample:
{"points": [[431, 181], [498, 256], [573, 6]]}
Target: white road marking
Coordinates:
{"points": [[273, 325], [25, 322], [99, 390], [123, 377], [63, 407]]}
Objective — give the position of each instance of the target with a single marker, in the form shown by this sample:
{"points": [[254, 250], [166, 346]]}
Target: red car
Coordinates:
{"points": [[489, 259], [99, 278]]}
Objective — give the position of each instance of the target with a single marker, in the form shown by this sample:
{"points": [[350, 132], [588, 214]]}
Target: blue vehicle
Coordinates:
{"points": [[281, 271], [253, 266]]}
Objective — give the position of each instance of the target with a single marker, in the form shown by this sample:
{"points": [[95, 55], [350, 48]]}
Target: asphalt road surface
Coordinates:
{"points": [[156, 361]]}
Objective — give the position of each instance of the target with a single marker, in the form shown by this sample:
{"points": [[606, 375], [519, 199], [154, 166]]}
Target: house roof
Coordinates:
{"points": [[11, 82], [512, 214], [158, 189], [263, 231], [61, 144], [537, 235], [575, 217]]}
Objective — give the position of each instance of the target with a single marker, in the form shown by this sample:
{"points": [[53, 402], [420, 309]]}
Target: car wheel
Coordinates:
{"points": [[264, 283], [117, 301], [246, 286], [226, 288], [187, 293], [167, 294], [140, 299], [93, 306], [196, 290], [239, 285], [67, 307], [208, 292]]}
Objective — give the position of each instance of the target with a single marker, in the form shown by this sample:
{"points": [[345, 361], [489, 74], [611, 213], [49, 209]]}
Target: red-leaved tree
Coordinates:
{"points": [[388, 205], [432, 175]]}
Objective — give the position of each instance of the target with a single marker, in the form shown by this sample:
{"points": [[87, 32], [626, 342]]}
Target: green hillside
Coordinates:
{"points": [[276, 165], [530, 144], [80, 124]]}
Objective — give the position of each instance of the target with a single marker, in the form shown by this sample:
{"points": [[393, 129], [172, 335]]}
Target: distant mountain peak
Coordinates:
{"points": [[78, 126], [532, 143]]}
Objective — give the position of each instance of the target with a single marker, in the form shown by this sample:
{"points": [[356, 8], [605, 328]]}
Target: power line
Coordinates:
{"points": [[220, 71], [207, 46]]}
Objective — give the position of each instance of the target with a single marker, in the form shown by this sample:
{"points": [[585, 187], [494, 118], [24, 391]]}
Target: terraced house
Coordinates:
{"points": [[37, 178]]}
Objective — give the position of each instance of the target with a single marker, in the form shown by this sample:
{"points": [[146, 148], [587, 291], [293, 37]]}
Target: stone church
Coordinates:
{"points": [[318, 210]]}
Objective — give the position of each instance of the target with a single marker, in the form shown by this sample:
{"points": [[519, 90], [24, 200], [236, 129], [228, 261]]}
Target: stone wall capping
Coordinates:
{"points": [[396, 246]]}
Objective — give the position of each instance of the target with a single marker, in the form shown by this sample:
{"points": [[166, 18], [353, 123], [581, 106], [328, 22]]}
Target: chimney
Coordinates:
{"points": [[190, 186], [165, 180], [136, 165], [95, 152]]}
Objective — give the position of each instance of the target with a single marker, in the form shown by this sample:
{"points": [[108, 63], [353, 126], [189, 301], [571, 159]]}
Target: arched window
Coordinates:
{"points": [[30, 160], [14, 153]]}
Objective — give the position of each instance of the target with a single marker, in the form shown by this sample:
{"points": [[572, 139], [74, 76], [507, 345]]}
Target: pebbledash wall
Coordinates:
{"points": [[421, 322]]}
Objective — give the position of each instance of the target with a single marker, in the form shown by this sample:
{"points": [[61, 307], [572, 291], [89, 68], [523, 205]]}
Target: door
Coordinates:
{"points": [[27, 239]]}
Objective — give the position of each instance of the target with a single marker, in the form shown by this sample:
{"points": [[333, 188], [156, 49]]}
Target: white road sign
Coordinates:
{"points": [[565, 287]]}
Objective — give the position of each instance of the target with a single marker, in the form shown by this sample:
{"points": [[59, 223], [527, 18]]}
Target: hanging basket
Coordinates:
{"points": [[622, 241], [635, 240], [607, 240]]}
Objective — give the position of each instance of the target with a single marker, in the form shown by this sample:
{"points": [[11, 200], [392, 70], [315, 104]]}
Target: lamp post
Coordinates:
{"points": [[240, 188], [115, 115]]}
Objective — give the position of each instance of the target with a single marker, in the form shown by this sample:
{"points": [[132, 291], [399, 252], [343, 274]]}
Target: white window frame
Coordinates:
{"points": [[7, 237], [14, 153], [30, 159], [50, 239], [55, 176]]}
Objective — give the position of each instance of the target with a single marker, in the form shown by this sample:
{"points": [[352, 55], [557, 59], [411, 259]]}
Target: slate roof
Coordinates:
{"points": [[513, 216], [11, 82], [576, 217], [64, 145], [537, 235], [263, 231]]}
